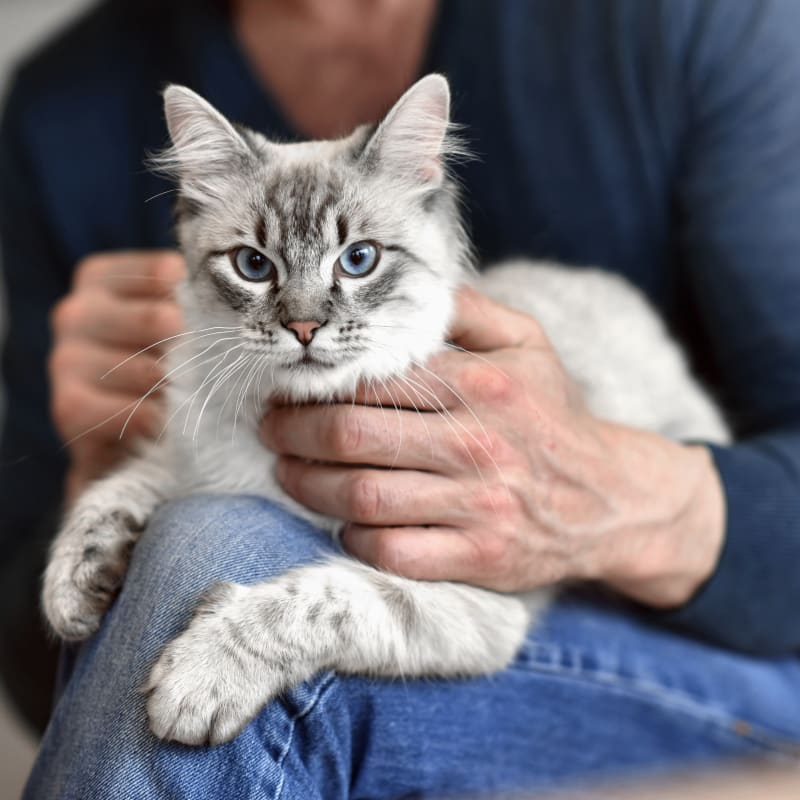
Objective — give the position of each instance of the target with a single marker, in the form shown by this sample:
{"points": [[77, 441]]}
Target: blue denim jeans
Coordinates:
{"points": [[595, 692]]}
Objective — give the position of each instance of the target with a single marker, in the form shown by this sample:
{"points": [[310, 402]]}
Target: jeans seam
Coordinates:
{"points": [[305, 711], [720, 720]]}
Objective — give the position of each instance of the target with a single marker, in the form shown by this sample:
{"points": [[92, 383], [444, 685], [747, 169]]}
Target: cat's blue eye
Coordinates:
{"points": [[252, 265], [358, 260]]}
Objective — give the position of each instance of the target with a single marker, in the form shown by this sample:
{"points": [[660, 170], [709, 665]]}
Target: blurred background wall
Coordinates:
{"points": [[23, 24]]}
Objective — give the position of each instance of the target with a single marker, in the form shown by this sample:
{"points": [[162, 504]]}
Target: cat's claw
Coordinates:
{"points": [[208, 684], [85, 572]]}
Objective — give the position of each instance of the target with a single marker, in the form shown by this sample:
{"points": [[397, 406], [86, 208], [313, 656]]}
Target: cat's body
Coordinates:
{"points": [[246, 644]]}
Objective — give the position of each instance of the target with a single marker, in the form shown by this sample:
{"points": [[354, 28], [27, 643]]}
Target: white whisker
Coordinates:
{"points": [[399, 416], [258, 399], [402, 386], [188, 342], [193, 395], [242, 399], [454, 424], [215, 373], [211, 393], [158, 384], [478, 356], [218, 328], [160, 194], [241, 364], [133, 404], [455, 393]]}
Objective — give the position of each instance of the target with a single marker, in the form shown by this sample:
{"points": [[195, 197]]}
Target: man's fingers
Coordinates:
{"points": [[428, 388], [132, 274], [427, 554], [448, 381], [362, 435], [374, 496], [97, 315], [107, 368], [481, 324], [80, 411]]}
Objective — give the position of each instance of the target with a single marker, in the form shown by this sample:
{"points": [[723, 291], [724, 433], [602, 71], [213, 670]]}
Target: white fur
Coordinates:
{"points": [[610, 340]]}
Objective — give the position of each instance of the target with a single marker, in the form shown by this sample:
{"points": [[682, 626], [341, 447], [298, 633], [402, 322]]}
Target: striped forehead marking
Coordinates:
{"points": [[298, 207]]}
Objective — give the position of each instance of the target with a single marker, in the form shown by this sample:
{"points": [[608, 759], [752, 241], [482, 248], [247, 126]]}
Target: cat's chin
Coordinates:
{"points": [[310, 363], [316, 380], [312, 379]]}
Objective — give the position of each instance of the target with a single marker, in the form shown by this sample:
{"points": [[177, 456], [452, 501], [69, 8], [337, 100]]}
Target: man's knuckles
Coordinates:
{"points": [[486, 383], [67, 314]]}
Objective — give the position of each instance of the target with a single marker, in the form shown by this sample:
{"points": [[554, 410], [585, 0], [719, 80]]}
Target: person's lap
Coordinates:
{"points": [[595, 692]]}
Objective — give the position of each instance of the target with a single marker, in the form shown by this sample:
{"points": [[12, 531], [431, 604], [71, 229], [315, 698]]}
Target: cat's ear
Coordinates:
{"points": [[205, 146], [412, 141]]}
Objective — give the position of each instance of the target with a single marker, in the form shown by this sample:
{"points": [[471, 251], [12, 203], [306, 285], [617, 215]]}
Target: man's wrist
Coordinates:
{"points": [[670, 553]]}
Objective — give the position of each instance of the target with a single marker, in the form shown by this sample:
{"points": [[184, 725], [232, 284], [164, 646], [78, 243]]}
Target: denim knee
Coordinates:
{"points": [[189, 544], [192, 543], [228, 537]]}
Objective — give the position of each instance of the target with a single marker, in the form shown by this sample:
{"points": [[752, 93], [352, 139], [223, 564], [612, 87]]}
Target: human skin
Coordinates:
{"points": [[332, 66], [119, 303], [514, 485]]}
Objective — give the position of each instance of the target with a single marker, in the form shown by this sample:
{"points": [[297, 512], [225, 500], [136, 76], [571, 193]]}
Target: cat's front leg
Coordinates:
{"points": [[246, 645], [89, 556]]}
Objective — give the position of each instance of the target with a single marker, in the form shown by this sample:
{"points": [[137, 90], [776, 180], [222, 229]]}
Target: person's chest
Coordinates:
{"points": [[576, 137], [574, 140]]}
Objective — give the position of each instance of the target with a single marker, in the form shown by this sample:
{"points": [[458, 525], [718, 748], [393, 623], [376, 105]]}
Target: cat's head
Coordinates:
{"points": [[339, 258]]}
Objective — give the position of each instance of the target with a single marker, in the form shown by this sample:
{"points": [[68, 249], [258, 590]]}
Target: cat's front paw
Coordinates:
{"points": [[211, 681], [86, 568]]}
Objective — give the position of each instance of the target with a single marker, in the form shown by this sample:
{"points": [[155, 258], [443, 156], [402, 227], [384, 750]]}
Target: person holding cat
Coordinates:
{"points": [[659, 167]]}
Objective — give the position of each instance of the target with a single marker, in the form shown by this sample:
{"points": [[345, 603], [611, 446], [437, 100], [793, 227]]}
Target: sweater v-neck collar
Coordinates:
{"points": [[217, 68]]}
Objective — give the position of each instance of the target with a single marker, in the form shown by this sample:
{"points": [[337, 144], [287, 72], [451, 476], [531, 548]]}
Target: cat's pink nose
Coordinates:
{"points": [[304, 329]]}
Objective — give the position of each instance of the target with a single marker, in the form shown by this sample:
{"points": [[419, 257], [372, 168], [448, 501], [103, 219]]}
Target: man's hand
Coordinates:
{"points": [[504, 480], [119, 304]]}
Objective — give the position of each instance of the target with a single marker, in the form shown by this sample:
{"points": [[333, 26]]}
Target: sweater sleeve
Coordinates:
{"points": [[32, 463], [738, 229]]}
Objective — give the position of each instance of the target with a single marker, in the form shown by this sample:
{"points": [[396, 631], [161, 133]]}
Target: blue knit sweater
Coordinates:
{"points": [[659, 139]]}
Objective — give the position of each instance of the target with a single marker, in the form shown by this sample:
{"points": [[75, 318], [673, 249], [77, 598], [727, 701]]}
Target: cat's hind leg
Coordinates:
{"points": [[89, 556]]}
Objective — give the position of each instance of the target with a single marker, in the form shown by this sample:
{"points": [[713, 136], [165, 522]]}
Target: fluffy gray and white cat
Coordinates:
{"points": [[312, 267]]}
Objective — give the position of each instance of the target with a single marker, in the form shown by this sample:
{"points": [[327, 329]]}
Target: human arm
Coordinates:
{"points": [[736, 182], [31, 464], [737, 233], [119, 304], [37, 268]]}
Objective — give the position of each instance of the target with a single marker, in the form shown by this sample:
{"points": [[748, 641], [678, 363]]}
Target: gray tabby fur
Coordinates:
{"points": [[301, 204]]}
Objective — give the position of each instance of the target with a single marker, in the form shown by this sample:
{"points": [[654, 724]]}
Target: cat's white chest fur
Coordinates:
{"points": [[215, 448]]}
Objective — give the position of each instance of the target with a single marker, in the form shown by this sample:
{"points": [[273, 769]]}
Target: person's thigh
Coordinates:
{"points": [[595, 691], [98, 744]]}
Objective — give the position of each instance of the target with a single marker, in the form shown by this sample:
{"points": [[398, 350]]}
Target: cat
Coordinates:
{"points": [[363, 233]]}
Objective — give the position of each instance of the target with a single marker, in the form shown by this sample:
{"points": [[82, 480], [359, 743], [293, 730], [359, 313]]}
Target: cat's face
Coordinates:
{"points": [[337, 260]]}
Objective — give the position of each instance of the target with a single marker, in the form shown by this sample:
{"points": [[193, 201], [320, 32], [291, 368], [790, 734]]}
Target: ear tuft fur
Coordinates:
{"points": [[204, 143], [415, 139]]}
